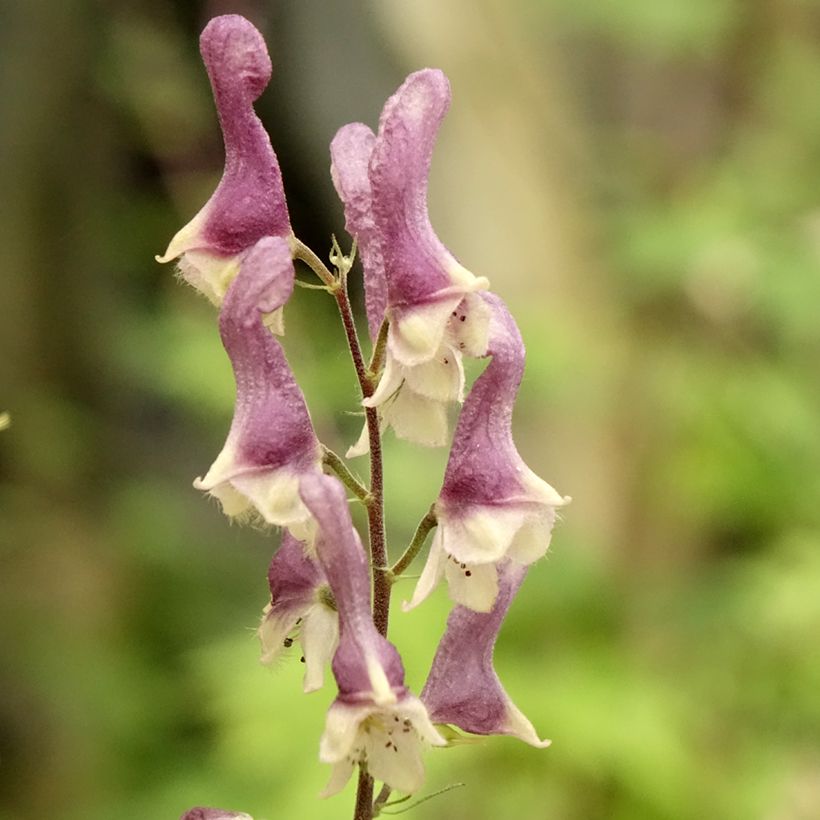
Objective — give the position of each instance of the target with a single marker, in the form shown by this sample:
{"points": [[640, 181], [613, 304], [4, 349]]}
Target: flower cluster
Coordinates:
{"points": [[425, 312]]}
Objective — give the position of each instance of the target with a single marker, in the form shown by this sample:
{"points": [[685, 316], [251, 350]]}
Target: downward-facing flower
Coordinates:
{"points": [[249, 201], [411, 278], [463, 688], [200, 813], [374, 720], [271, 443], [491, 506], [301, 604]]}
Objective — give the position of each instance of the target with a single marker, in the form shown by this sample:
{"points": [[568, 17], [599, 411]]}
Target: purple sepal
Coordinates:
{"points": [[491, 505], [374, 719], [463, 688], [201, 813], [350, 153], [271, 442], [366, 665], [298, 609], [249, 202]]}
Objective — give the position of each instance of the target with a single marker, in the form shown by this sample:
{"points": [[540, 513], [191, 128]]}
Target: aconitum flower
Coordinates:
{"points": [[301, 604], [428, 297], [491, 506], [374, 720], [463, 688], [249, 201], [200, 813], [271, 443]]}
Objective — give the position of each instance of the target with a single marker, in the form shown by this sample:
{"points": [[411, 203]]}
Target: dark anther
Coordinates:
{"points": [[302, 659], [388, 745], [288, 642], [298, 621], [463, 318], [464, 566], [468, 573]]}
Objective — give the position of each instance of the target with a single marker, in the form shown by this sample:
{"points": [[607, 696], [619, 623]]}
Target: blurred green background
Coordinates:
{"points": [[638, 179]]}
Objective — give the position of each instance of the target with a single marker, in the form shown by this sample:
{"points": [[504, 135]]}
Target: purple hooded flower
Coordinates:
{"points": [[411, 278], [374, 719], [300, 603], [200, 813], [491, 506], [463, 688], [271, 443], [249, 201]]}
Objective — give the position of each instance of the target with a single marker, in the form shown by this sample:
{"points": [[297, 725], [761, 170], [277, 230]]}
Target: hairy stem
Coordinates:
{"points": [[364, 796], [375, 505], [422, 531], [330, 459]]}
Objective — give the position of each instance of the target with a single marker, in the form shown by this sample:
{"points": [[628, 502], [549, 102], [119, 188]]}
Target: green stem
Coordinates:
{"points": [[306, 255], [422, 531], [330, 459], [377, 359]]}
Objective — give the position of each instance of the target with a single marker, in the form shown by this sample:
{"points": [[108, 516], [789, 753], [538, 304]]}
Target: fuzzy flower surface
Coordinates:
{"points": [[430, 300], [374, 720], [201, 813], [271, 443], [301, 604], [463, 688], [491, 506], [249, 201]]}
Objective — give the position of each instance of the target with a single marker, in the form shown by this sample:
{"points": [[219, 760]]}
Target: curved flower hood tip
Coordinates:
{"points": [[350, 152], [271, 443], [200, 813], [249, 201], [301, 606], [431, 300], [463, 688], [491, 506], [374, 720]]}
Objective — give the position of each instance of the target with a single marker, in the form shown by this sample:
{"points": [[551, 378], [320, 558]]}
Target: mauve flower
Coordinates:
{"points": [[271, 443], [374, 720], [410, 277], [463, 688], [491, 506], [249, 201], [301, 603], [200, 813]]}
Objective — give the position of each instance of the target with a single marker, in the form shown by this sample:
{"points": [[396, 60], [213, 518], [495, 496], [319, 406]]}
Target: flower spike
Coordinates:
{"points": [[374, 720], [249, 201], [463, 688], [271, 443], [491, 506], [432, 304], [300, 602]]}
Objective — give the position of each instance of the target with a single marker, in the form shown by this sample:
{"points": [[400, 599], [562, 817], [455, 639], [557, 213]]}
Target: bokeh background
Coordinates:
{"points": [[638, 179]]}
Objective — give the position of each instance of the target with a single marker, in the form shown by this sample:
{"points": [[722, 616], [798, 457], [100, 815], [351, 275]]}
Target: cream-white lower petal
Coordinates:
{"points": [[532, 539], [362, 445], [416, 335], [482, 534], [398, 764], [319, 638], [341, 730], [416, 418], [389, 383], [476, 591], [518, 725], [272, 633], [342, 770], [441, 378], [430, 575], [275, 494]]}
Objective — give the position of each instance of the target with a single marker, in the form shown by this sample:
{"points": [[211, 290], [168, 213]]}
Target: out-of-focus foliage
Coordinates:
{"points": [[669, 644]]}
